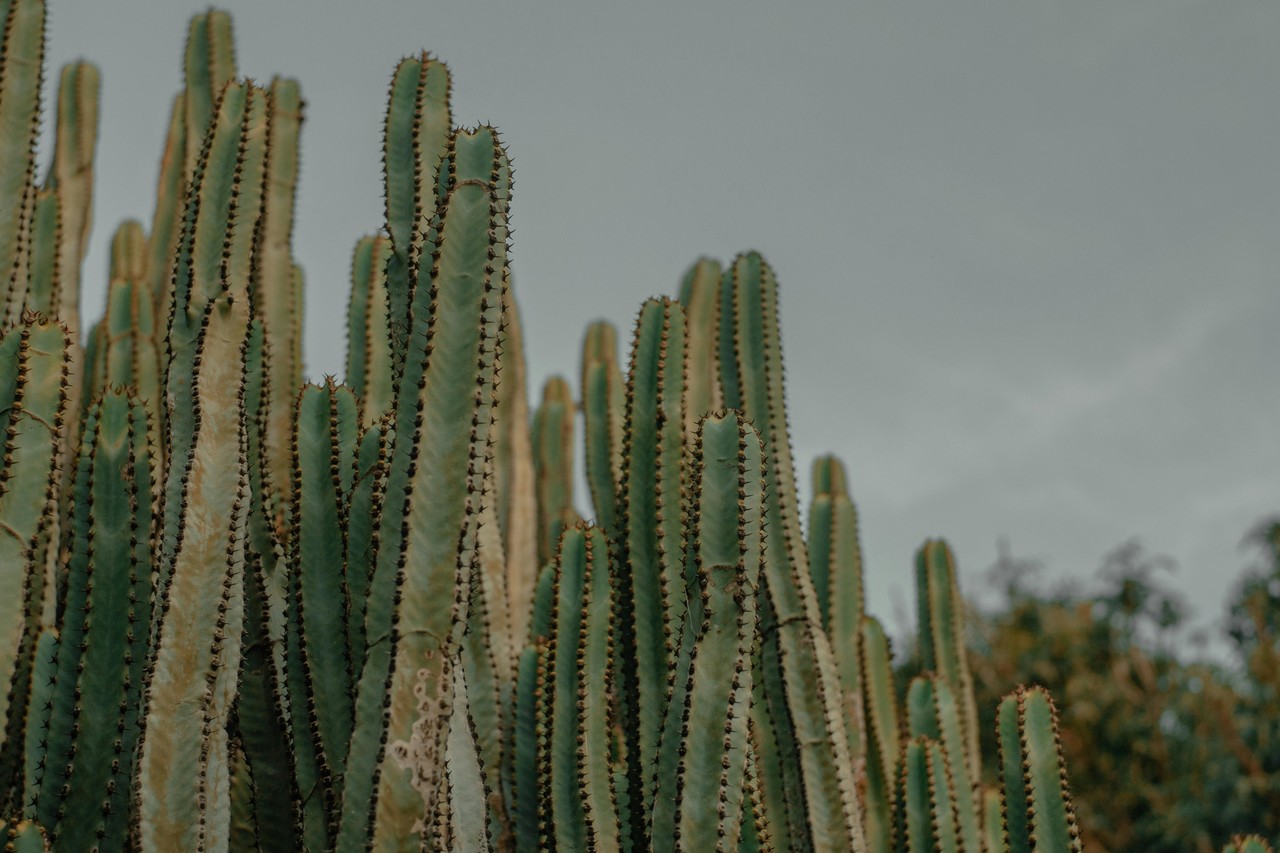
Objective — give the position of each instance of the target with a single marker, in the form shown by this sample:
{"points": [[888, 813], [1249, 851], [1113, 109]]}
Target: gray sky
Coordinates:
{"points": [[1027, 250]]}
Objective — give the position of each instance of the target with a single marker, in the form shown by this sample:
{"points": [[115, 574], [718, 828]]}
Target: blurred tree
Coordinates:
{"points": [[1164, 753]]}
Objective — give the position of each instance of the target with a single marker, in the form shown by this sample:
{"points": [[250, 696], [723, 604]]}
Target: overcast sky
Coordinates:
{"points": [[1028, 249]]}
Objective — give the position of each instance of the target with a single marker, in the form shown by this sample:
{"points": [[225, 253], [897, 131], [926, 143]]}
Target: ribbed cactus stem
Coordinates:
{"points": [[882, 739], [1038, 813], [514, 484], [369, 364], [274, 284], [33, 409], [202, 561], [802, 687], [444, 412], [21, 64], [835, 564], [209, 64], [603, 400], [943, 649], [93, 727], [651, 500], [416, 138], [552, 440], [71, 177], [933, 712], [701, 791], [324, 454], [925, 816], [700, 296]]}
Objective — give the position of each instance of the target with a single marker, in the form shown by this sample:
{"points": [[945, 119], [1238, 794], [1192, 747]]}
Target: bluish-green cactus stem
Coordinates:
{"points": [[924, 807], [880, 716], [442, 439], [324, 464], [369, 364], [1247, 844], [801, 685], [700, 296], [276, 284], [940, 612], [34, 358], [416, 138], [514, 480], [21, 64], [71, 178], [835, 564], [933, 712], [552, 440], [603, 401], [650, 538], [202, 561], [1038, 814], [93, 726], [701, 794]]}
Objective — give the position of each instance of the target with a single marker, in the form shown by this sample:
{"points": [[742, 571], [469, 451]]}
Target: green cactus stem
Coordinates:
{"points": [[416, 138], [882, 738], [552, 441], [442, 439], [835, 564], [514, 475], [1038, 813], [652, 594], [701, 792], [21, 64], [940, 611], [925, 818], [202, 561], [274, 284], [93, 726], [801, 686], [34, 358], [369, 365], [603, 401], [700, 296]]}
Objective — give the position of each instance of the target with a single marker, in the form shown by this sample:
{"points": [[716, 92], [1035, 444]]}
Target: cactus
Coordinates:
{"points": [[366, 615], [84, 786], [1032, 771]]}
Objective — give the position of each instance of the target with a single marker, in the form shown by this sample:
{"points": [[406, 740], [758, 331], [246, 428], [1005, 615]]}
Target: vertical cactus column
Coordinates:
{"points": [[603, 402], [701, 795], [651, 545], [21, 64], [552, 441], [1038, 812], [801, 711], [92, 727], [33, 408], [418, 594], [184, 775], [835, 564]]}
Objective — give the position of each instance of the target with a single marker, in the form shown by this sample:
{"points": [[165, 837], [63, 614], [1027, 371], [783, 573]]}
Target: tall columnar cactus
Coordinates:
{"points": [[835, 564], [21, 65], [1038, 812], [603, 403], [34, 356], [251, 614], [202, 555], [800, 713], [89, 722], [437, 464]]}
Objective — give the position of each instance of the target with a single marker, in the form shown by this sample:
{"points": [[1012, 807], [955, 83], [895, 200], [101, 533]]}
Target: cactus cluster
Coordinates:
{"points": [[242, 612]]}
